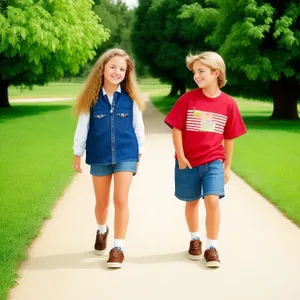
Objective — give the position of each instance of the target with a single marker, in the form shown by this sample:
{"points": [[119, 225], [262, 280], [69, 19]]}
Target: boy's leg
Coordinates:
{"points": [[191, 215], [192, 220], [102, 194], [213, 190], [188, 189], [212, 206]]}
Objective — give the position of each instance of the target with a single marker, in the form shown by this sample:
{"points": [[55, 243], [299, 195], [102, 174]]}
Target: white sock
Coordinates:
{"points": [[118, 243], [211, 243], [102, 228], [195, 235]]}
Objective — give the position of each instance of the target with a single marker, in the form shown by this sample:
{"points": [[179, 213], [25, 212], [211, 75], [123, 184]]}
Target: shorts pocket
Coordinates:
{"points": [[177, 166]]}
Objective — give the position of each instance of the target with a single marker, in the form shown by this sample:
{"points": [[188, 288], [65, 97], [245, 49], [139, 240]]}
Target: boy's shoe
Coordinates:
{"points": [[100, 243], [211, 256], [116, 257], [195, 251]]}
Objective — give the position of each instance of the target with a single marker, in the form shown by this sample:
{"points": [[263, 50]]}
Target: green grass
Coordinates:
{"points": [[36, 165], [267, 157], [152, 84], [51, 90], [72, 89]]}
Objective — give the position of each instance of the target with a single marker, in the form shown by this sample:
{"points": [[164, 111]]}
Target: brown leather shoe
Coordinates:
{"points": [[100, 243], [212, 258], [195, 250], [116, 257]]}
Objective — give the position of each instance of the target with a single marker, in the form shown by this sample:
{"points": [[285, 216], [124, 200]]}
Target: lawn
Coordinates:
{"points": [[51, 90], [36, 165], [267, 157], [72, 89]]}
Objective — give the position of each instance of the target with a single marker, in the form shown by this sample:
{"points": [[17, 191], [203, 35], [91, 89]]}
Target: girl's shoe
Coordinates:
{"points": [[211, 256], [100, 243], [195, 251], [116, 257]]}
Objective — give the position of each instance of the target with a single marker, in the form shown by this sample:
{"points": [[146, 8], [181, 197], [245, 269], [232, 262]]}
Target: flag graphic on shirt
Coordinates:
{"points": [[198, 120]]}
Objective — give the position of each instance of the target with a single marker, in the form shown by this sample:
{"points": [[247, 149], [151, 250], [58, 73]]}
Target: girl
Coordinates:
{"points": [[111, 130]]}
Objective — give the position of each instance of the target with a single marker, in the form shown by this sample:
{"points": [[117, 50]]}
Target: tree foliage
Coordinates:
{"points": [[41, 40], [161, 40], [260, 42], [118, 18]]}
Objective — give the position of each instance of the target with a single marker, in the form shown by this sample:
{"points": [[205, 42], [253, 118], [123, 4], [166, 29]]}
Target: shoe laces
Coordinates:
{"points": [[115, 251], [196, 244], [213, 251]]}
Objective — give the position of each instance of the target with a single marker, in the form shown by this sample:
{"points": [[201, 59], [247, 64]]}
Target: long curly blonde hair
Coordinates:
{"points": [[90, 91]]}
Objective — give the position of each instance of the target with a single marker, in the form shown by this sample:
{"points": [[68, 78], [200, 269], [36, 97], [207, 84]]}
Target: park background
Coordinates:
{"points": [[48, 48]]}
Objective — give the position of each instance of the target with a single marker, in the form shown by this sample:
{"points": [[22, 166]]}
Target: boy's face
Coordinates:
{"points": [[204, 76], [115, 70]]}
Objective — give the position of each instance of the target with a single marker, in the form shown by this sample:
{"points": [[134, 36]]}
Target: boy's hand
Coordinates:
{"points": [[183, 163], [226, 174], [76, 164]]}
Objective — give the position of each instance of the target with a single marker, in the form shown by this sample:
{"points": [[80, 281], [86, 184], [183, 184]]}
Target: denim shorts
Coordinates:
{"points": [[200, 181], [103, 170]]}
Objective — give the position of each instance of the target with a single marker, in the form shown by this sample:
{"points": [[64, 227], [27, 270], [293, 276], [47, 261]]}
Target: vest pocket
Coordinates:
{"points": [[122, 121], [101, 121]]}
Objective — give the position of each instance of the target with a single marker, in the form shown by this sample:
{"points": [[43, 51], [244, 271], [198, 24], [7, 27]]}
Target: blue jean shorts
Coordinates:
{"points": [[104, 170], [200, 181]]}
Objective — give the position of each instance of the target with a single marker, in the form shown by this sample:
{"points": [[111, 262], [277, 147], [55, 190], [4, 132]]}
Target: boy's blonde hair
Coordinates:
{"points": [[90, 91], [212, 60]]}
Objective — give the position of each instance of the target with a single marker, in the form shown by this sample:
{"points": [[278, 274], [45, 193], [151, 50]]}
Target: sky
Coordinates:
{"points": [[131, 3]]}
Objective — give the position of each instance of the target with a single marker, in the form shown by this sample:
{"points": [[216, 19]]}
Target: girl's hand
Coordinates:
{"points": [[226, 174], [76, 164], [183, 163]]}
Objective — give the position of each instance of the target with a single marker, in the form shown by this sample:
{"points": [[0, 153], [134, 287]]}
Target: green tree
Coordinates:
{"points": [[41, 40], [161, 40], [118, 18], [260, 42]]}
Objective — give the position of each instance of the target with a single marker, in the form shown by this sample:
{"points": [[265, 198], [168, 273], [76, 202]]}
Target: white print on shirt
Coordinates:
{"points": [[198, 120]]}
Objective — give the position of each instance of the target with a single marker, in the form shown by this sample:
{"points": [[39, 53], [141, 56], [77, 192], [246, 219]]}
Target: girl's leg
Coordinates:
{"points": [[191, 215], [102, 193], [122, 182], [212, 205]]}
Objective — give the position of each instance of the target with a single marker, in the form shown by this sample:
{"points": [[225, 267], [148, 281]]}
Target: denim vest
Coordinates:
{"points": [[111, 138]]}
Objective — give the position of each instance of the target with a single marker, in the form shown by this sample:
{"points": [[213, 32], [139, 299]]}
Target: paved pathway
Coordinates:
{"points": [[259, 247]]}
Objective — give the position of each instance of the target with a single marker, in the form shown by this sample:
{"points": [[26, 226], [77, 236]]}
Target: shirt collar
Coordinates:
{"points": [[117, 90]]}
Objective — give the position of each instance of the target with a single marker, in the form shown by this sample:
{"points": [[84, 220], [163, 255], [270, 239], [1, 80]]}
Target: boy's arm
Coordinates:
{"points": [[177, 141], [228, 148]]}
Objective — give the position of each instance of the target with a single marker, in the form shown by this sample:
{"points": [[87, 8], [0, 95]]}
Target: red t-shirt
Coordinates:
{"points": [[204, 123]]}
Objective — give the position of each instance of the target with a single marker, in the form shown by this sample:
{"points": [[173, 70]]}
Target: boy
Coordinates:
{"points": [[202, 121]]}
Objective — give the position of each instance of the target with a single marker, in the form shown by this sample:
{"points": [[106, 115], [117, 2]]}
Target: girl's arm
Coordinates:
{"points": [[80, 140], [139, 129], [228, 148], [177, 141]]}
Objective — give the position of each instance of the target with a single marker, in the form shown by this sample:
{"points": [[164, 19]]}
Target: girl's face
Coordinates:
{"points": [[115, 70], [204, 76]]}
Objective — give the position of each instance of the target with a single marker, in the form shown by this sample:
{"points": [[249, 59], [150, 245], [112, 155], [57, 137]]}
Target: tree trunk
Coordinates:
{"points": [[178, 85], [4, 93], [286, 93]]}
